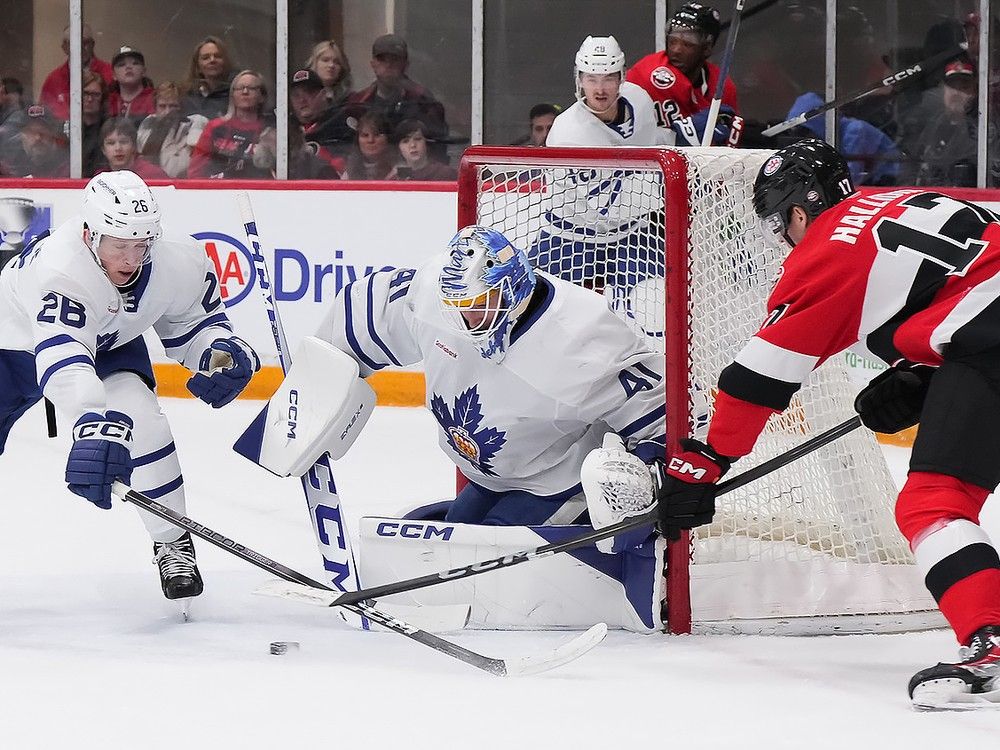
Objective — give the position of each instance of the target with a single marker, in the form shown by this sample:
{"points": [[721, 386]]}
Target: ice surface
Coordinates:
{"points": [[92, 656]]}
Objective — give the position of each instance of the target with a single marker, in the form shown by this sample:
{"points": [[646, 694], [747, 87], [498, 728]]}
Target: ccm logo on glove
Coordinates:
{"points": [[121, 433], [680, 466]]}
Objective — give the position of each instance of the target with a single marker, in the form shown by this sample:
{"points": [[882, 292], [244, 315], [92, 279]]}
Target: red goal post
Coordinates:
{"points": [[670, 239]]}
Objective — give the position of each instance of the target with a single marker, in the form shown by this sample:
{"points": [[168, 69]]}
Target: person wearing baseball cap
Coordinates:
{"points": [[44, 145], [132, 94], [323, 124], [396, 96]]}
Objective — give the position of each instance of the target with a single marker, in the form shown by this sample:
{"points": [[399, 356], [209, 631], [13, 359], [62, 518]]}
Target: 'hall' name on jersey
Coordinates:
{"points": [[859, 214]]}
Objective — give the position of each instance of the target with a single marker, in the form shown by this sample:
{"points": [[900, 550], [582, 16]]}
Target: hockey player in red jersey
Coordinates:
{"points": [[681, 81], [913, 278]]}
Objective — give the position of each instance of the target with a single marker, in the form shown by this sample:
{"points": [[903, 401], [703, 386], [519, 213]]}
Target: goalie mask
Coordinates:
{"points": [[119, 204], [810, 174], [598, 55], [485, 285]]}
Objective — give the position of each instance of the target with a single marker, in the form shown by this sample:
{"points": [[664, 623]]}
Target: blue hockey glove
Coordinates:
{"points": [[728, 128], [225, 369], [101, 453]]}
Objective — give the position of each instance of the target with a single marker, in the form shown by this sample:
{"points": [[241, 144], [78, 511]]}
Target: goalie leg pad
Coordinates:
{"points": [[320, 407], [479, 505], [565, 591]]}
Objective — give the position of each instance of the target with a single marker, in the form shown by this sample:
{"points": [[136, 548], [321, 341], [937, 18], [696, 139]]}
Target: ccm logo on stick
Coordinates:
{"points": [[683, 467], [413, 530]]}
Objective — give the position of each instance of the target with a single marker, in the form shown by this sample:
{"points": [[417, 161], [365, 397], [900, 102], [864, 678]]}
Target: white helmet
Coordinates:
{"points": [[119, 204], [600, 55]]}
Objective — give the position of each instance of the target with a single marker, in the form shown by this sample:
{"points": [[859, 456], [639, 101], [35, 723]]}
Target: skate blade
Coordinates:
{"points": [[953, 695], [185, 608]]}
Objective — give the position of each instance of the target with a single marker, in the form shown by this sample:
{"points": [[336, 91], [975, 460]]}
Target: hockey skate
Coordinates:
{"points": [[973, 682], [179, 575]]}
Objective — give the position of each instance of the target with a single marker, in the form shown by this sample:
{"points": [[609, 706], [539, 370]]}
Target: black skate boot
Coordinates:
{"points": [[179, 576], [973, 682]]}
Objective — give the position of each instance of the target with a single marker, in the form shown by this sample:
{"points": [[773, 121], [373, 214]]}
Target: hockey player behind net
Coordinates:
{"points": [[526, 374], [75, 305], [910, 277]]}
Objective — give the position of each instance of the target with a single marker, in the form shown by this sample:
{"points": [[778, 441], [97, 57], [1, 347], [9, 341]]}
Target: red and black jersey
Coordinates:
{"points": [[673, 94], [905, 274]]}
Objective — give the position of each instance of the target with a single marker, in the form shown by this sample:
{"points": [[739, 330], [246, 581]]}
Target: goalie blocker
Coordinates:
{"points": [[320, 407]]}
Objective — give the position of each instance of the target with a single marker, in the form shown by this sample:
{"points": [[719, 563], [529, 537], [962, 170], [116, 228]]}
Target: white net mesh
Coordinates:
{"points": [[816, 538]]}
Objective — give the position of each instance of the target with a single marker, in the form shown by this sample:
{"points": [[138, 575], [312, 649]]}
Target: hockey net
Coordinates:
{"points": [[669, 238]]}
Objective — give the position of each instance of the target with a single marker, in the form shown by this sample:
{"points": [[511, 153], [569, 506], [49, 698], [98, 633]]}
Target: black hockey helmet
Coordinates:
{"points": [[809, 173], [701, 18]]}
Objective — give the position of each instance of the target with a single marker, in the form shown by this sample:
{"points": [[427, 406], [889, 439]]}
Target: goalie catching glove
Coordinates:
{"points": [[618, 485], [225, 370], [893, 400], [686, 495]]}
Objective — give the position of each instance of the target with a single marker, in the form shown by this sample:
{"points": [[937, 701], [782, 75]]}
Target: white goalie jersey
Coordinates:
{"points": [[573, 372]]}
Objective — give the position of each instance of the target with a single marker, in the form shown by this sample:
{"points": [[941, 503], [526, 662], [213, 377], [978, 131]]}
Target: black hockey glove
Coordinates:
{"points": [[685, 491], [894, 399]]}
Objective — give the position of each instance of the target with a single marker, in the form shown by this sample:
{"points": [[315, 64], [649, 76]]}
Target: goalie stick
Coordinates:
{"points": [[727, 59], [515, 667], [467, 571], [317, 483], [893, 79]]}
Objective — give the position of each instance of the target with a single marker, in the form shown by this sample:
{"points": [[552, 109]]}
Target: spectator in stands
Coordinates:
{"points": [[411, 141], [225, 148], [131, 94], [118, 143], [44, 147], [304, 163], [372, 157], [167, 137], [206, 90], [322, 124], [679, 79], [871, 155], [55, 90], [94, 95], [945, 153], [395, 96], [12, 94], [540, 120], [330, 63]]}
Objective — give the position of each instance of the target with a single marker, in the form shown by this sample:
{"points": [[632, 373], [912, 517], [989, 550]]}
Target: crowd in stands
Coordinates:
{"points": [[219, 122]]}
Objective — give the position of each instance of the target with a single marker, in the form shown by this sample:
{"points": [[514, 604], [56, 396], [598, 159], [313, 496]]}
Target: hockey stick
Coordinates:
{"points": [[467, 571], [317, 483], [727, 59], [517, 667], [751, 12], [50, 418], [893, 79]]}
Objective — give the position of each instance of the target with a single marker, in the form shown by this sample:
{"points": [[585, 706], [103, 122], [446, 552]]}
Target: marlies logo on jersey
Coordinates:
{"points": [[466, 435], [663, 78], [233, 265], [772, 165]]}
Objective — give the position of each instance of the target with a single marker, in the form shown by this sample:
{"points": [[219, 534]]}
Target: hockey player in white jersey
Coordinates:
{"points": [[525, 373], [609, 111], [75, 305]]}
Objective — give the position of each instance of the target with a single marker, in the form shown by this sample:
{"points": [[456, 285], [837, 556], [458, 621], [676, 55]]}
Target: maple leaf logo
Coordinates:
{"points": [[462, 426], [106, 341]]}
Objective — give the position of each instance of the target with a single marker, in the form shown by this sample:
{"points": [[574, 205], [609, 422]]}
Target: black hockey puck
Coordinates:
{"points": [[279, 648]]}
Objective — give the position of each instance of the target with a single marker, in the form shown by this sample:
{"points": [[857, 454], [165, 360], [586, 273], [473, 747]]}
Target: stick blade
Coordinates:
{"points": [[569, 651]]}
